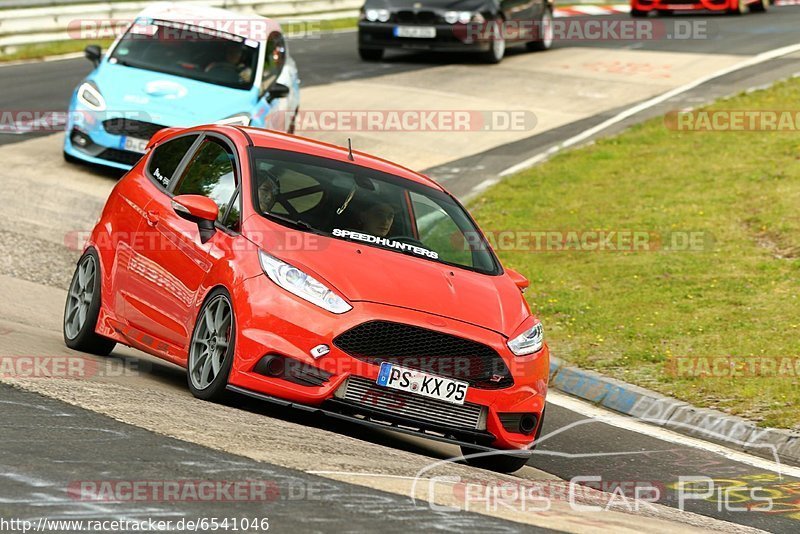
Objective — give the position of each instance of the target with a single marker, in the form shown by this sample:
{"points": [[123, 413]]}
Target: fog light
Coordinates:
{"points": [[519, 423], [271, 365], [80, 139], [527, 423]]}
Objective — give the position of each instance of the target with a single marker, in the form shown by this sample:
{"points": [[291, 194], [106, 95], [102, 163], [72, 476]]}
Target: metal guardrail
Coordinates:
{"points": [[32, 25]]}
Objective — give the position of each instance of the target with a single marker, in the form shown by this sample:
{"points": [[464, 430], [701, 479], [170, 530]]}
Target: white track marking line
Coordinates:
{"points": [[628, 423], [530, 162]]}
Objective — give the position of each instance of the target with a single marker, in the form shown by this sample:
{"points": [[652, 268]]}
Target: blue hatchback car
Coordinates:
{"points": [[178, 65]]}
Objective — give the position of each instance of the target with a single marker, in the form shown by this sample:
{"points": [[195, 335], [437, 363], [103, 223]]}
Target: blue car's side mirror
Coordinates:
{"points": [[277, 90], [93, 53]]}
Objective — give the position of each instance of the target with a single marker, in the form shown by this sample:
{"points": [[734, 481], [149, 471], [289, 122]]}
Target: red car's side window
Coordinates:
{"points": [[166, 158], [211, 173]]}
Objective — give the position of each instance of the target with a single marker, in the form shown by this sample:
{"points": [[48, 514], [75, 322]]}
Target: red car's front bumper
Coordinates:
{"points": [[274, 322]]}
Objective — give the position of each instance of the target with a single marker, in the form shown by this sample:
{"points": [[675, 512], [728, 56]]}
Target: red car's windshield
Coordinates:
{"points": [[190, 52], [355, 203]]}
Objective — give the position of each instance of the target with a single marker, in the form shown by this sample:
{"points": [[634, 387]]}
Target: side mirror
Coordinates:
{"points": [[198, 209], [93, 53], [520, 281], [277, 90]]}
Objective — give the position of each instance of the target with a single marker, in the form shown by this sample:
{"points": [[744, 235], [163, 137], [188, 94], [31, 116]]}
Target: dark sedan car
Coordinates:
{"points": [[481, 26]]}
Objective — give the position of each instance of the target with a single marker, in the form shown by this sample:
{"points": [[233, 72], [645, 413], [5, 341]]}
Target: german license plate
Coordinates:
{"points": [[415, 32], [134, 144], [413, 381]]}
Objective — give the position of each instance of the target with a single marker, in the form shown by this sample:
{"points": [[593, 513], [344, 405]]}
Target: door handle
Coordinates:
{"points": [[152, 218]]}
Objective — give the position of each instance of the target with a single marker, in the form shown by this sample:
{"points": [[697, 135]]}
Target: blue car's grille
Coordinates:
{"points": [[131, 128], [125, 157]]}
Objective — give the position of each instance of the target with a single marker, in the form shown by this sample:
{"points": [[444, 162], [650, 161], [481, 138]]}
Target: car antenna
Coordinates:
{"points": [[350, 150]]}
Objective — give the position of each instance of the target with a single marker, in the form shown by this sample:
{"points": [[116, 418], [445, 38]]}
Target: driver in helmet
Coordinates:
{"points": [[376, 218]]}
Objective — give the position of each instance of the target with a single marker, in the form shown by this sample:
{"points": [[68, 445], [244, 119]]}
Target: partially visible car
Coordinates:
{"points": [[180, 65], [485, 27], [642, 8]]}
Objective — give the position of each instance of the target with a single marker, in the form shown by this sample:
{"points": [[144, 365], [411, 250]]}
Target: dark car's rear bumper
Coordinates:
{"points": [[377, 35]]}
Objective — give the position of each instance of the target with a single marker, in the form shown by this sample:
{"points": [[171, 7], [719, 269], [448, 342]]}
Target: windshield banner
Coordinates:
{"points": [[382, 241]]}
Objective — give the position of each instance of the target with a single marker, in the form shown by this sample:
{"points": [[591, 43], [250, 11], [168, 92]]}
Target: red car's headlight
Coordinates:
{"points": [[528, 342], [301, 284]]}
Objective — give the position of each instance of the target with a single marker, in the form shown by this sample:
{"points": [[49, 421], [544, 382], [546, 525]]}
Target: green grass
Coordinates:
{"points": [[55, 48], [626, 314]]}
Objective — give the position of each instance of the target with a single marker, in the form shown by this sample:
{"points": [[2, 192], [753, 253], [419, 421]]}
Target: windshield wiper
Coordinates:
{"points": [[300, 225]]}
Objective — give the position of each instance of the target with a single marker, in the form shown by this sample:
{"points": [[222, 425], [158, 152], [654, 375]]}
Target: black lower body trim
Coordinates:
{"points": [[452, 440]]}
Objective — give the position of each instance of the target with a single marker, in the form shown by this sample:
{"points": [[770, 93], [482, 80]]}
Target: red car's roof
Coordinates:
{"points": [[282, 141]]}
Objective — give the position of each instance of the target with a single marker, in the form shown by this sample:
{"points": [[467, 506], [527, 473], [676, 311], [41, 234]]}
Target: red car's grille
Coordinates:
{"points": [[427, 350], [365, 393]]}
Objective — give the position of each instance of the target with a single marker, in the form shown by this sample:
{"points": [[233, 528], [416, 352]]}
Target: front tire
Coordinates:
{"points": [[212, 347], [546, 40], [83, 307], [370, 54], [740, 8], [71, 159], [497, 50], [502, 463]]}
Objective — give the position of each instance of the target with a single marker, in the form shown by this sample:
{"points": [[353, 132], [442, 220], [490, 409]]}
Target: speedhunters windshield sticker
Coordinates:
{"points": [[382, 241]]}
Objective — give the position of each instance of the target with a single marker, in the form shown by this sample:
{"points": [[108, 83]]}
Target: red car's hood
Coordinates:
{"points": [[367, 273]]}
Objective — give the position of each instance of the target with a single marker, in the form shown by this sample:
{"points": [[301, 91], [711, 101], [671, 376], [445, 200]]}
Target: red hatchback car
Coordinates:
{"points": [[307, 275]]}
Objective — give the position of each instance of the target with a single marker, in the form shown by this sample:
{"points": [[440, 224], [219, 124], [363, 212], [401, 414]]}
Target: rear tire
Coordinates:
{"points": [[83, 307], [546, 40], [502, 463], [212, 347], [638, 13], [370, 54]]}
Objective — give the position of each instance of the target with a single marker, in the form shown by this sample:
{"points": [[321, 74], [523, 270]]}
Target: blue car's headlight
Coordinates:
{"points": [[301, 284], [89, 95]]}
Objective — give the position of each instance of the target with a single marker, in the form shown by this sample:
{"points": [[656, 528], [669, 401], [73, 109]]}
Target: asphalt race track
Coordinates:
{"points": [[141, 423]]}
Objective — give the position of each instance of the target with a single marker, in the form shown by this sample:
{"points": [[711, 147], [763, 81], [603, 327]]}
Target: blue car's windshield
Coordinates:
{"points": [[190, 52]]}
